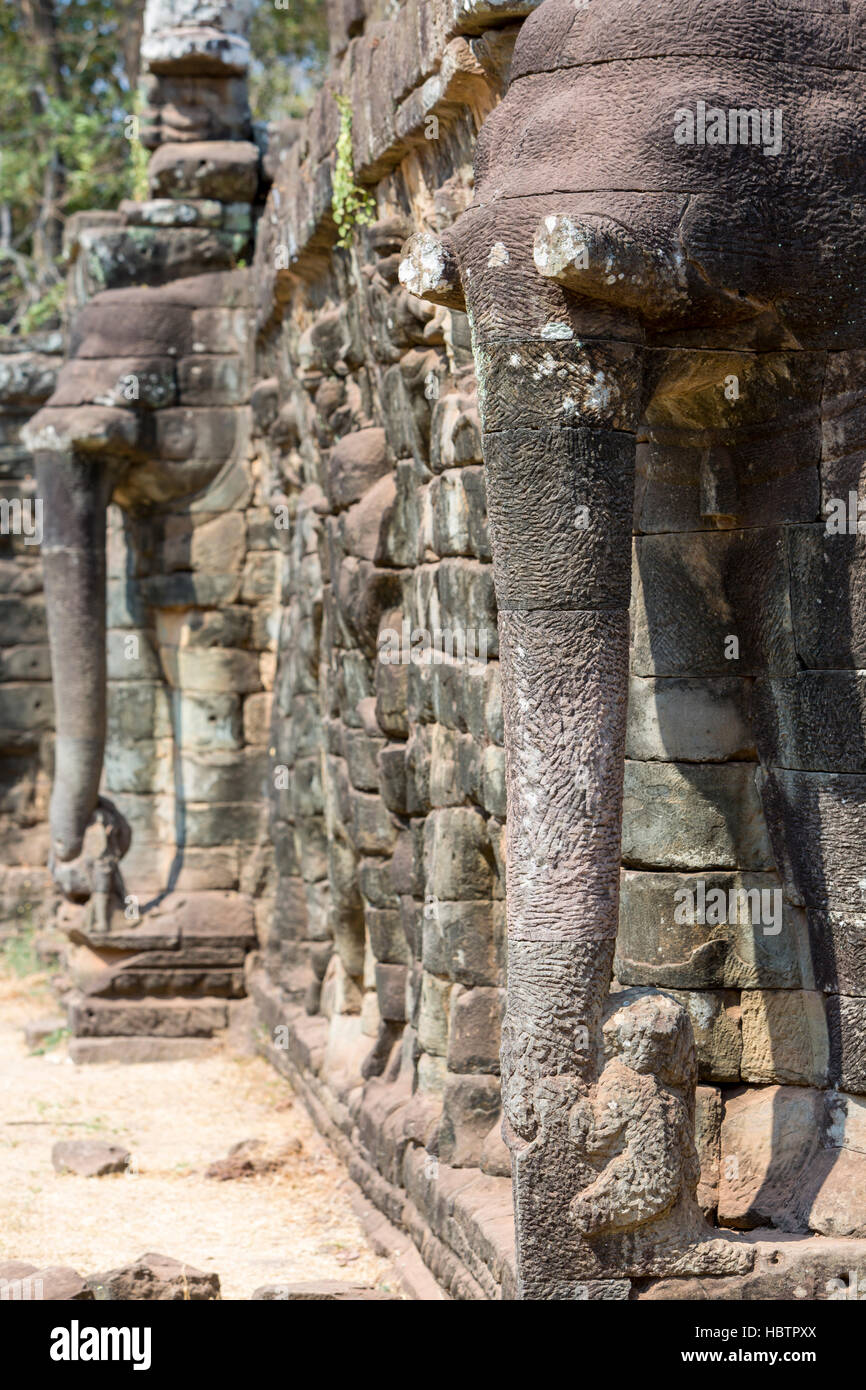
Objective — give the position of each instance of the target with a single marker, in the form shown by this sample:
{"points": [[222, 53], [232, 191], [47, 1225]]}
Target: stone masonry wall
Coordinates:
{"points": [[383, 968], [305, 712], [382, 971], [28, 371]]}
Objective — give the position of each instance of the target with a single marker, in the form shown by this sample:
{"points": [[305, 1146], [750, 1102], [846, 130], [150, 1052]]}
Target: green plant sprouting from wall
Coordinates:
{"points": [[352, 206]]}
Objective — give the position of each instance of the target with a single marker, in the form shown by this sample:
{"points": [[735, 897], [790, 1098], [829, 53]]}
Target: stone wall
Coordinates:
{"points": [[382, 971], [305, 709], [28, 371]]}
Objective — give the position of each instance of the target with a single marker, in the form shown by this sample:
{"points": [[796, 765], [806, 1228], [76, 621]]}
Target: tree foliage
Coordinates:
{"points": [[290, 50], [68, 79], [68, 72]]}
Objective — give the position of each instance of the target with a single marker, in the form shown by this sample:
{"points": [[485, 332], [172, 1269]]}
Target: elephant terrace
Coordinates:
{"points": [[433, 664]]}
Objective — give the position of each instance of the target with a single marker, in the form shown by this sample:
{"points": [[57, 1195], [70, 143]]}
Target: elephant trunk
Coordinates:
{"points": [[75, 492], [560, 501], [560, 395]]}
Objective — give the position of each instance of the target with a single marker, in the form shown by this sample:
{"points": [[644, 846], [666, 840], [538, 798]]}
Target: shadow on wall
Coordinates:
{"points": [[747, 645]]}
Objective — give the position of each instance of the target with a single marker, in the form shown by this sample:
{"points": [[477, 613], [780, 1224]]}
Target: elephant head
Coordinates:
{"points": [[112, 432], [659, 184]]}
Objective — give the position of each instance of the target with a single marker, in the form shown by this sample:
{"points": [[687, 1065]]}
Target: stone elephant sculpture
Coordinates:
{"points": [[125, 424], [663, 268]]}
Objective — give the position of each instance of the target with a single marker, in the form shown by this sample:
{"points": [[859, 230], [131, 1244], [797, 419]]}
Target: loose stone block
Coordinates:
{"points": [[88, 1158], [391, 992], [155, 1278]]}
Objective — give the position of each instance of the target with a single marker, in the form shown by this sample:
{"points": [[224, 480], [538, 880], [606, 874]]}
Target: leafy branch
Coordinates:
{"points": [[352, 205]]}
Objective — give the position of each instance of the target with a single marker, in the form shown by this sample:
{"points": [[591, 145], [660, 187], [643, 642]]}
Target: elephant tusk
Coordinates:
{"points": [[429, 270], [599, 259]]}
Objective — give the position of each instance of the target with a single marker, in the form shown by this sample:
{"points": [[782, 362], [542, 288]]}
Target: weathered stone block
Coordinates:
{"points": [[818, 823], [392, 698], [691, 593], [769, 1139], [469, 1112], [685, 815], [708, 1132], [433, 1014], [226, 170], [387, 937], [715, 1018], [784, 1037], [812, 721], [357, 462], [372, 828], [679, 720], [171, 1018], [457, 856], [474, 1034], [758, 943], [827, 605], [846, 1023]]}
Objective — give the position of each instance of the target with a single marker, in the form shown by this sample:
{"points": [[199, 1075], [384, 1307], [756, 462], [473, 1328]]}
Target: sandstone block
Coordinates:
{"points": [[469, 1111], [155, 1278], [784, 1037], [226, 170], [684, 815], [474, 1033]]}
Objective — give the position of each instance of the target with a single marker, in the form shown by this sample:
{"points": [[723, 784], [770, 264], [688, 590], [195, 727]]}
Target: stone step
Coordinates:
{"points": [[91, 1017], [183, 984], [84, 1051], [180, 922]]}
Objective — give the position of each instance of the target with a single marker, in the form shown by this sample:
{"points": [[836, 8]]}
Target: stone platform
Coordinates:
{"points": [[160, 988]]}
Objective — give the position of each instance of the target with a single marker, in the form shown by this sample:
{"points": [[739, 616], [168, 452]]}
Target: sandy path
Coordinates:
{"points": [[175, 1118]]}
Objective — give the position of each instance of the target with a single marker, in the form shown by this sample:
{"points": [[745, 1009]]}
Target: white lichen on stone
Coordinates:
{"points": [[554, 331]]}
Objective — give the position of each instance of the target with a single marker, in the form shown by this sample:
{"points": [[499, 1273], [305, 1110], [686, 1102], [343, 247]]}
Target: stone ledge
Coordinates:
{"points": [[140, 1049], [787, 1269]]}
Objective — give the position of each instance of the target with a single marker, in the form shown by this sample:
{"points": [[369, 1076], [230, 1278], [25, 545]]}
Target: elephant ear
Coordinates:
{"points": [[429, 269]]}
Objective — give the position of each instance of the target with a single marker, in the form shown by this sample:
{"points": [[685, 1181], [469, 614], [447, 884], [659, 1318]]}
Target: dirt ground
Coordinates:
{"points": [[175, 1118]]}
